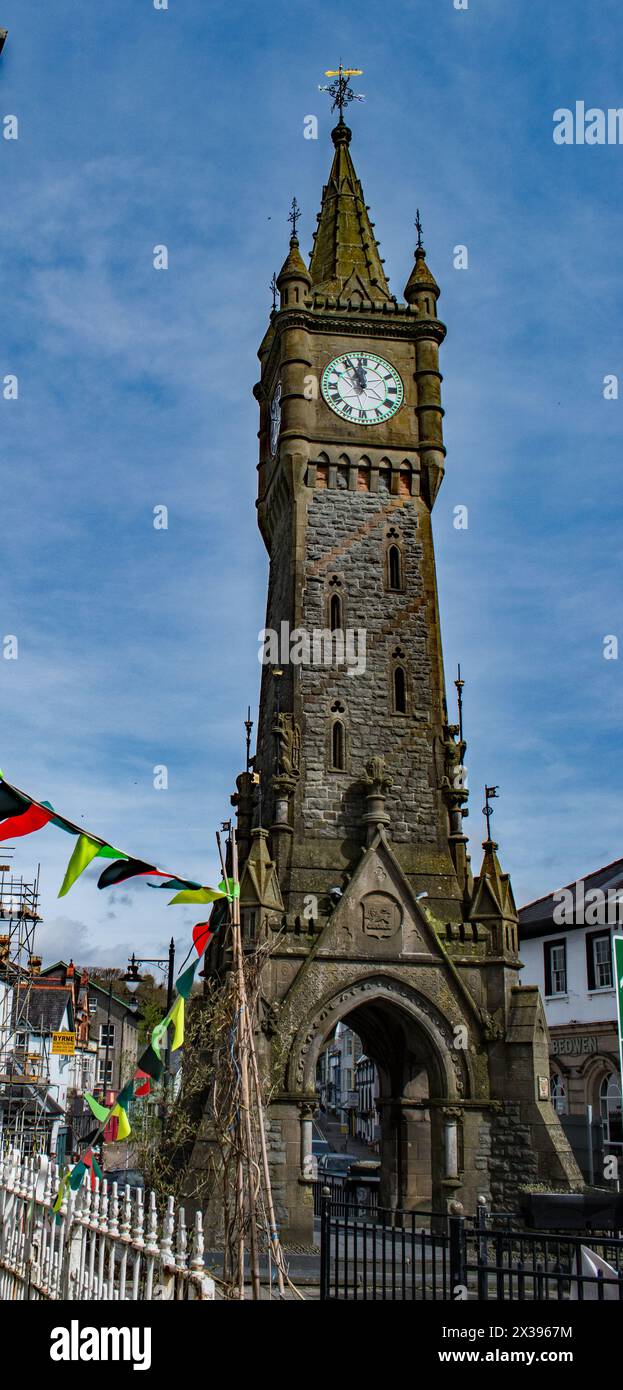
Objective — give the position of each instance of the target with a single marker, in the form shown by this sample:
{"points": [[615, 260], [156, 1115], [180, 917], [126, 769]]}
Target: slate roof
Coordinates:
{"points": [[537, 918], [46, 1007]]}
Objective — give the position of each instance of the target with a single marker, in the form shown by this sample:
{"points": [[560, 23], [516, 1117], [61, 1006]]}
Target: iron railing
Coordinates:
{"points": [[405, 1255]]}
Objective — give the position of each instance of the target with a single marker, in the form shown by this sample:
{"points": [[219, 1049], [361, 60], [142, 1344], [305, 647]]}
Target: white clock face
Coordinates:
{"points": [[362, 387], [275, 418]]}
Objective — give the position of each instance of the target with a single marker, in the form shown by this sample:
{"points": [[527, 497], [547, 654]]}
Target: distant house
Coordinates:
{"points": [[35, 1102], [111, 1028], [566, 949]]}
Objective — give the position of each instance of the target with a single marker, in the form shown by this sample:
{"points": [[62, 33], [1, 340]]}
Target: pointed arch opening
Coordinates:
{"points": [[400, 690], [394, 567], [335, 613], [338, 751]]}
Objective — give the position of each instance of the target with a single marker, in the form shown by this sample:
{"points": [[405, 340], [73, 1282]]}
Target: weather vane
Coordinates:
{"points": [[418, 226], [340, 90], [273, 288], [487, 810], [293, 215]]}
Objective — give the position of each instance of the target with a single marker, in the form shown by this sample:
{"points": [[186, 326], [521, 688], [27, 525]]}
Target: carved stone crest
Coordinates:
{"points": [[381, 915]]}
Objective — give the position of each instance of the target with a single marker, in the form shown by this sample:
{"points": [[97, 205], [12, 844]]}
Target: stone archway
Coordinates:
{"points": [[421, 1076]]}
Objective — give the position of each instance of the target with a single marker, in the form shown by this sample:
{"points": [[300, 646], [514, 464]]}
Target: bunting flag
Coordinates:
{"points": [[176, 1017], [124, 1127], [100, 1111], [77, 1174], [201, 937], [127, 868], [60, 1194], [22, 815], [24, 823], [175, 883], [85, 850], [11, 803], [186, 980], [151, 1064], [144, 1079], [231, 888], [197, 895]]}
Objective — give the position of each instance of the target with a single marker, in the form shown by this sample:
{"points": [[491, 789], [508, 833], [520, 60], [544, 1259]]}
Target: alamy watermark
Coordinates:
{"points": [[318, 647], [595, 908]]}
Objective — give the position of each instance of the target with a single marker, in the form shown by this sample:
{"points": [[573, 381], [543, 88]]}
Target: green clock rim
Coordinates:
{"points": [[375, 356]]}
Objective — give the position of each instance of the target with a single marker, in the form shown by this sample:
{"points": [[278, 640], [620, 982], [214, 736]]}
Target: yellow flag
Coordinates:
{"points": [[124, 1123], [176, 1016]]}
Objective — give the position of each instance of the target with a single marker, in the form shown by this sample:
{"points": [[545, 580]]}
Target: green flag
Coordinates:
{"points": [[186, 980], [85, 849], [197, 895], [100, 1111]]}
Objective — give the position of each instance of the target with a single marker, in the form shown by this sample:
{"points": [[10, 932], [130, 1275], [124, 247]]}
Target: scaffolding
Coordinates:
{"points": [[26, 1115]]}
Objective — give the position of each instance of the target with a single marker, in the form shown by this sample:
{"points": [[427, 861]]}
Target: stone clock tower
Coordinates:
{"points": [[354, 858]]}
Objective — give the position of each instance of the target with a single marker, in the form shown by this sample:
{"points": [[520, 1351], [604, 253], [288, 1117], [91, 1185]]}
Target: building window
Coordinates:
{"points": [[107, 1034], [394, 567], [559, 1094], [599, 960], [337, 746], [104, 1071], [335, 613], [555, 953], [400, 690], [610, 1106]]}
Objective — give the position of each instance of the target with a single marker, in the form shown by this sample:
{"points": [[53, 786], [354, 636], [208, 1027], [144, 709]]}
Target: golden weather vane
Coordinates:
{"points": [[340, 90]]}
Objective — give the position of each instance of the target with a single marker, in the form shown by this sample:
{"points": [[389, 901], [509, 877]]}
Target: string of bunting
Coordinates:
{"points": [[150, 1065], [21, 814]]}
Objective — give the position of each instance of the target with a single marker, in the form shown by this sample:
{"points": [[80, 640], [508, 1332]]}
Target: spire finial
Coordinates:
{"points": [[418, 227], [248, 724], [273, 287], [293, 215], [459, 683], [340, 90], [487, 810]]}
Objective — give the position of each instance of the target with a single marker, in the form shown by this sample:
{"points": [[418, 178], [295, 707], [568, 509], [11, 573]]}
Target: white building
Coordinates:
{"points": [[565, 942]]}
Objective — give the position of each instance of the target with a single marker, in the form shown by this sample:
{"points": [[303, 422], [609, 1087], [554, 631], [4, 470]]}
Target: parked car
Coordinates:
{"points": [[124, 1177], [320, 1146], [335, 1166], [363, 1180]]}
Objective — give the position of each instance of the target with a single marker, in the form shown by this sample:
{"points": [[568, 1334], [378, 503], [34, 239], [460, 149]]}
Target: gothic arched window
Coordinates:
{"points": [[335, 613], [394, 567], [337, 745], [400, 690], [610, 1106]]}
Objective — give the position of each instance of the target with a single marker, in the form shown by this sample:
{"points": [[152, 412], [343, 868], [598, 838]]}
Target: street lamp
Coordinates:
{"points": [[133, 979]]}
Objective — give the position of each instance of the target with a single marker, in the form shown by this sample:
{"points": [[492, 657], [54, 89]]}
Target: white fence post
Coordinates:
{"points": [[85, 1252]]}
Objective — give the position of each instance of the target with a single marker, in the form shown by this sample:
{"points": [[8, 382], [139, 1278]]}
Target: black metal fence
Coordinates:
{"points": [[401, 1255]]}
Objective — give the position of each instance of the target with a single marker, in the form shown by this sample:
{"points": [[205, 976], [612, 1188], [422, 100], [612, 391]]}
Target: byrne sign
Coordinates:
{"points": [[64, 1044]]}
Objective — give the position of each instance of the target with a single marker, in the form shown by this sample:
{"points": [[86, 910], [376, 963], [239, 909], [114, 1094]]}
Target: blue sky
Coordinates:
{"points": [[138, 647]]}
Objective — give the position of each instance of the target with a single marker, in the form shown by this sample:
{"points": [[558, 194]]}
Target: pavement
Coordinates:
{"points": [[330, 1127]]}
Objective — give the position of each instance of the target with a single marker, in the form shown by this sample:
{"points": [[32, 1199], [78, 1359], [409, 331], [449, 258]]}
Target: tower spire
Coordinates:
{"points": [[345, 246]]}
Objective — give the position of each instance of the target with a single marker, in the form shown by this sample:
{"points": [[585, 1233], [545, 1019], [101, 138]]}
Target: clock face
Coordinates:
{"points": [[275, 418], [362, 387]]}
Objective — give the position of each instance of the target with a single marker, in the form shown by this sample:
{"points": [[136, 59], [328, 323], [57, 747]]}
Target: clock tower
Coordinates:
{"points": [[354, 862]]}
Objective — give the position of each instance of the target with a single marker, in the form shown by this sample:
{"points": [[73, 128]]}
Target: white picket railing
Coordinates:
{"points": [[102, 1247]]}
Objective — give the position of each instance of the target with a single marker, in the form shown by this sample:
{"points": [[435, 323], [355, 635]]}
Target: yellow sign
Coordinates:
{"points": [[64, 1044]]}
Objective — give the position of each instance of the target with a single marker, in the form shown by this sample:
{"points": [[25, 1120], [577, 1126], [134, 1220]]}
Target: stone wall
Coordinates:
{"points": [[347, 538]]}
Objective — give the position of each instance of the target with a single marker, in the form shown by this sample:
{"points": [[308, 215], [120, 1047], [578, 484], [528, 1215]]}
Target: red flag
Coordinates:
{"points": [[32, 819], [145, 1079], [201, 936]]}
